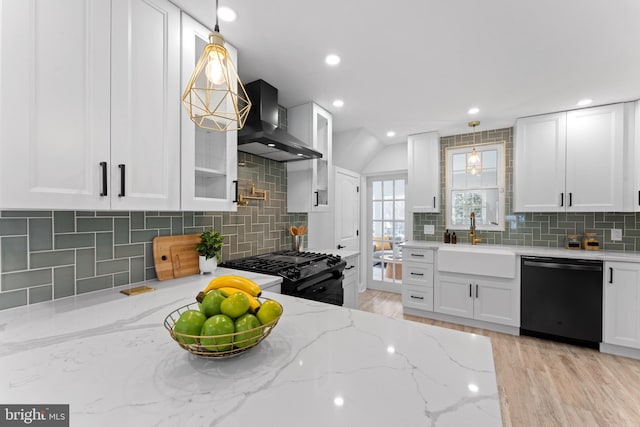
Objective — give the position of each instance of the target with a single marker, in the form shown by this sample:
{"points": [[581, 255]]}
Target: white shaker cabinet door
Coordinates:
{"points": [[145, 86], [595, 159], [622, 304], [54, 111], [423, 190], [539, 152]]}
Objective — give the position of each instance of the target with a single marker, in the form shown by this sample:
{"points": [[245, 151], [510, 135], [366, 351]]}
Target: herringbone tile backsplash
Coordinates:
{"points": [[47, 255]]}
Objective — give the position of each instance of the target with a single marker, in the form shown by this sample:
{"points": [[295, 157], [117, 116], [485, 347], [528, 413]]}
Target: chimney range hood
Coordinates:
{"points": [[261, 135]]}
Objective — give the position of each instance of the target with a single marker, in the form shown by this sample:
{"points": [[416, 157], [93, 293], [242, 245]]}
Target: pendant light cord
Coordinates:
{"points": [[217, 29]]}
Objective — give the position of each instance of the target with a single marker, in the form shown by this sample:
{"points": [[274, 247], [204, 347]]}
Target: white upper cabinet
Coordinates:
{"points": [[423, 190], [88, 86], [309, 181], [209, 158], [145, 101], [54, 111], [634, 133], [570, 161]]}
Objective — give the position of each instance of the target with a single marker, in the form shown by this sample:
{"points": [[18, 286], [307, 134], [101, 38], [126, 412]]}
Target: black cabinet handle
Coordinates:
{"points": [[104, 178], [470, 294], [610, 274], [416, 274], [570, 199], [341, 246], [235, 198], [415, 297], [319, 290], [122, 175], [434, 202], [317, 198], [561, 199], [638, 197], [476, 291]]}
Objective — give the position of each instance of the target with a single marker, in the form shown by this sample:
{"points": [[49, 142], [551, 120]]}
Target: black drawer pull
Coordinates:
{"points": [[416, 274], [104, 178], [419, 255], [415, 297], [350, 267], [122, 175]]}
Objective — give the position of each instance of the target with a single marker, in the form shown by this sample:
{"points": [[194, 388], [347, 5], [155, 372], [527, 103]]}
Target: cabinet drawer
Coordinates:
{"points": [[424, 255], [418, 274], [417, 297]]}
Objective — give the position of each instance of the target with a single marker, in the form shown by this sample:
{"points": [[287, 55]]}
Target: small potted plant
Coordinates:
{"points": [[210, 250]]}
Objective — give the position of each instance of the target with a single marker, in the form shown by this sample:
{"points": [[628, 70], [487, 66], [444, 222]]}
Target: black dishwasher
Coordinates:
{"points": [[561, 299]]}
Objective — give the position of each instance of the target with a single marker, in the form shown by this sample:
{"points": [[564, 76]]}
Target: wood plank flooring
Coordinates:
{"points": [[544, 383]]}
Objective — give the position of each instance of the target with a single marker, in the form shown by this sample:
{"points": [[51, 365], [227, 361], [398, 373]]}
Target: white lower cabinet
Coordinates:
{"points": [[622, 304], [351, 282], [417, 278], [494, 300]]}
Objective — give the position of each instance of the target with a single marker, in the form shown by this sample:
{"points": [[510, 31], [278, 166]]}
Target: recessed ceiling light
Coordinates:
{"points": [[332, 59], [227, 14], [271, 145], [474, 110], [584, 102], [391, 133], [338, 103]]}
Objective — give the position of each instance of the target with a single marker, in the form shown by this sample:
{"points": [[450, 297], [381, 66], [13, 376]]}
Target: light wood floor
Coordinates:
{"points": [[544, 383]]}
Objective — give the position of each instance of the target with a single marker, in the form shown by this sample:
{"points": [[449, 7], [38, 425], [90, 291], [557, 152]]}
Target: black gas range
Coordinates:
{"points": [[309, 275]]}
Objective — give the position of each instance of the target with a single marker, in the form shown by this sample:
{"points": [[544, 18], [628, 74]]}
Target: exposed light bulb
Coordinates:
{"points": [[215, 69]]}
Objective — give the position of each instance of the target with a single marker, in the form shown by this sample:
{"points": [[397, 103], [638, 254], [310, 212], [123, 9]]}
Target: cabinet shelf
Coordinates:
{"points": [[209, 172]]}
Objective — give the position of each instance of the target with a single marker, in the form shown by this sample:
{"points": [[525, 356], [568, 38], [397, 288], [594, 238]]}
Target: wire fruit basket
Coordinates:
{"points": [[228, 345]]}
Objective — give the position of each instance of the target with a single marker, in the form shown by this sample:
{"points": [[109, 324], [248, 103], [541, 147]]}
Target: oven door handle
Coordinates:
{"points": [[319, 279]]}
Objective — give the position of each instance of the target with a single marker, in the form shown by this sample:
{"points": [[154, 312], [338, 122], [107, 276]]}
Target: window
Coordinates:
{"points": [[481, 193]]}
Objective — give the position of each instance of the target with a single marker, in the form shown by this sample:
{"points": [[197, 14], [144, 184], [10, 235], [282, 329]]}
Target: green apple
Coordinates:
{"points": [[268, 311], [210, 305], [248, 323], [235, 305], [218, 324], [189, 323]]}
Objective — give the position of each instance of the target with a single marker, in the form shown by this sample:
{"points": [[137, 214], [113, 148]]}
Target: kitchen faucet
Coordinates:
{"points": [[472, 230]]}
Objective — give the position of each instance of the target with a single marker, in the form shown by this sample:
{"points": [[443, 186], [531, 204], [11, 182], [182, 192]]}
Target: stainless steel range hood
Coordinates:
{"points": [[261, 135]]}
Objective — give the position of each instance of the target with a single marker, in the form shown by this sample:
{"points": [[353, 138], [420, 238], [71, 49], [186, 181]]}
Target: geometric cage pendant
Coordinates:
{"points": [[215, 97]]}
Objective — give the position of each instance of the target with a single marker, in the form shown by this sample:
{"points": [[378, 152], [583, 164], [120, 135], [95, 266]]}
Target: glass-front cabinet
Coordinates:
{"points": [[209, 158], [309, 181]]}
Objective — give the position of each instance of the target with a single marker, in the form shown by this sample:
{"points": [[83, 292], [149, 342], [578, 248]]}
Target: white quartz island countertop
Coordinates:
{"points": [[110, 358]]}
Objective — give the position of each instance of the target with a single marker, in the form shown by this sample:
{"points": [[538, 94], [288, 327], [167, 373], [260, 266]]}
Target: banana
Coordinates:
{"points": [[254, 304], [239, 282]]}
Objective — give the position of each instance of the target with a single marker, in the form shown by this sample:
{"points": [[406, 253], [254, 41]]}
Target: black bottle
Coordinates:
{"points": [[454, 238], [447, 236]]}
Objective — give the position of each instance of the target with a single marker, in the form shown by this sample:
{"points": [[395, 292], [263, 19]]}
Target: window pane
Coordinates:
{"points": [[399, 232], [459, 179], [399, 189], [399, 214], [388, 229], [377, 190], [489, 177], [459, 162], [388, 210], [483, 202], [377, 210], [377, 229], [489, 159], [474, 180], [388, 190]]}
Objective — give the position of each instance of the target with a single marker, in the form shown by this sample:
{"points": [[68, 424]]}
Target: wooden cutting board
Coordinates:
{"points": [[176, 256]]}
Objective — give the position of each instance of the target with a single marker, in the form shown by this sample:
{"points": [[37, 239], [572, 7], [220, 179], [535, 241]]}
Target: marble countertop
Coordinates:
{"points": [[537, 251], [110, 358]]}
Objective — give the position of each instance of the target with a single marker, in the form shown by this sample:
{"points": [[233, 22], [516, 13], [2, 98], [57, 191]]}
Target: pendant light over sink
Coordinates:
{"points": [[474, 163], [215, 97]]}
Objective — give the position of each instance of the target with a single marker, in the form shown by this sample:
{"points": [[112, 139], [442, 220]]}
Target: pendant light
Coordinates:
{"points": [[215, 97], [474, 164]]}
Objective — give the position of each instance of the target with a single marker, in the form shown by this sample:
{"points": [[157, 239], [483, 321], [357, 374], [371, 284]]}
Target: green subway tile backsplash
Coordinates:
{"points": [[55, 254]]}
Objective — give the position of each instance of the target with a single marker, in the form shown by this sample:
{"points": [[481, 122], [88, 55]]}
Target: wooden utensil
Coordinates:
{"points": [[302, 230], [293, 230]]}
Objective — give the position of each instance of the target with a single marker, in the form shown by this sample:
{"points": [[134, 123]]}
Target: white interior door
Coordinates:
{"points": [[347, 209]]}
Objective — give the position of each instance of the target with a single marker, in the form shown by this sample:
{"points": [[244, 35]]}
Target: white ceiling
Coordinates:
{"points": [[418, 65]]}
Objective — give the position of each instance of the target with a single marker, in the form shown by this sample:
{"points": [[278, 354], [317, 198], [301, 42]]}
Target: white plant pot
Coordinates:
{"points": [[207, 265]]}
